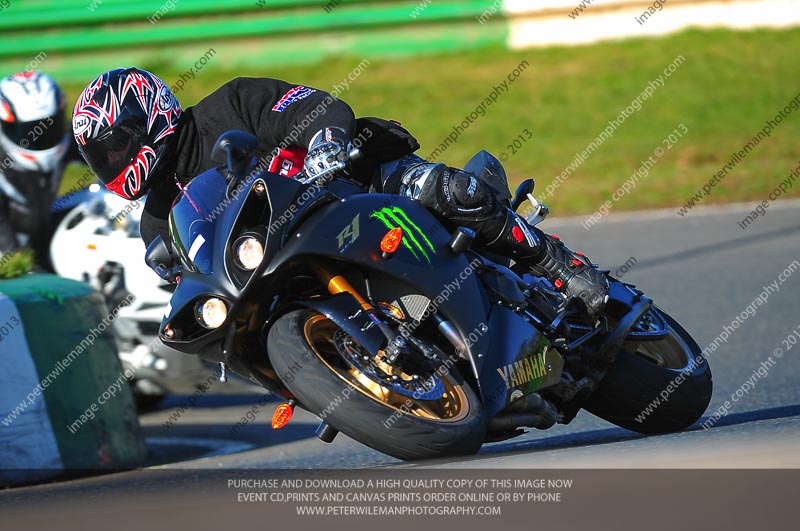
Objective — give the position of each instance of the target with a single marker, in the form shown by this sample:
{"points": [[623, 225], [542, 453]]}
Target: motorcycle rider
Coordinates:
{"points": [[34, 149], [133, 133]]}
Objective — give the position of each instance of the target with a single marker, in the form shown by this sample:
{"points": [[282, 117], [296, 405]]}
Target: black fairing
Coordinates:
{"points": [[433, 266], [202, 230], [338, 222]]}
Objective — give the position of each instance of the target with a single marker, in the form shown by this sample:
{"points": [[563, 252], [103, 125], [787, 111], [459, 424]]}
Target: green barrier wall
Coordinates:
{"points": [[77, 39], [56, 336]]}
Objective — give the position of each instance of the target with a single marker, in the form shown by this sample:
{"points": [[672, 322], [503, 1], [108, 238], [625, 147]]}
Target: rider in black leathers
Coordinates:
{"points": [[135, 153]]}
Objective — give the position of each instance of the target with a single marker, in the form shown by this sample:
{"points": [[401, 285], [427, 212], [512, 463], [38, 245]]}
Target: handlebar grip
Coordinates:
{"points": [[355, 154]]}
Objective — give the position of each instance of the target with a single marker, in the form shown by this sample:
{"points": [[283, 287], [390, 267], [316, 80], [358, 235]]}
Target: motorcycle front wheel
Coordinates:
{"points": [[407, 417]]}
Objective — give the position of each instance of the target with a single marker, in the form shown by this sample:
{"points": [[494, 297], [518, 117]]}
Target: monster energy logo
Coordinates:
{"points": [[395, 217]]}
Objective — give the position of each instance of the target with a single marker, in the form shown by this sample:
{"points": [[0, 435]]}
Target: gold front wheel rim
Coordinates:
{"points": [[452, 406]]}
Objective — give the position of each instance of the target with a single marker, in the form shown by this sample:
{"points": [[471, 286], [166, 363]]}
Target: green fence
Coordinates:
{"points": [[75, 39]]}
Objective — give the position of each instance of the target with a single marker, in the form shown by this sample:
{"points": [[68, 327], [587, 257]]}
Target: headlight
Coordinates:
{"points": [[249, 252], [211, 313]]}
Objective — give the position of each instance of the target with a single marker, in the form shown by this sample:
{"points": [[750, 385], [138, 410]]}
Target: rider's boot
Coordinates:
{"points": [[460, 199], [546, 255]]}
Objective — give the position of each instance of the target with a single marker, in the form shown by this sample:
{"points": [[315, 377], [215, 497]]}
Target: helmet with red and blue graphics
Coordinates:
{"points": [[123, 123]]}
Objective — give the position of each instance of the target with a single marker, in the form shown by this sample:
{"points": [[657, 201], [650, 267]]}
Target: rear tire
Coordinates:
{"points": [[308, 372], [640, 380]]}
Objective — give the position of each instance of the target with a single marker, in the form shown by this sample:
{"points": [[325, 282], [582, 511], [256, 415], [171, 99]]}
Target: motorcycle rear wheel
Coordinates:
{"points": [[306, 351], [655, 386]]}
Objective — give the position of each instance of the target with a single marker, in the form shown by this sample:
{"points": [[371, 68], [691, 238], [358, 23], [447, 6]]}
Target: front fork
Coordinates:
{"points": [[396, 343], [337, 284]]}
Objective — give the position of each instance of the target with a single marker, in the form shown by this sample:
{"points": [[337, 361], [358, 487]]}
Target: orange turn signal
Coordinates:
{"points": [[283, 414], [391, 241]]}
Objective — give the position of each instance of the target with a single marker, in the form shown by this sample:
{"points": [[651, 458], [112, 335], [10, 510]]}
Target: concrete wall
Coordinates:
{"points": [[559, 22]]}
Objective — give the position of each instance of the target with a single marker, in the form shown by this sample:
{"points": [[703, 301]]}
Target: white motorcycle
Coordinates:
{"points": [[97, 241]]}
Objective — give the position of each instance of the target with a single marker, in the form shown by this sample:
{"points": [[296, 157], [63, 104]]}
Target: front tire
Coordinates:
{"points": [[305, 349], [639, 391]]}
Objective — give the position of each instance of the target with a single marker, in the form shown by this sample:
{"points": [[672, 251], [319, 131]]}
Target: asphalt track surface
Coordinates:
{"points": [[702, 268]]}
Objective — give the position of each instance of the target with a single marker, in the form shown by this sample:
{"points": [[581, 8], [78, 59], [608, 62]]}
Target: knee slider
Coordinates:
{"points": [[450, 192], [465, 190], [422, 181]]}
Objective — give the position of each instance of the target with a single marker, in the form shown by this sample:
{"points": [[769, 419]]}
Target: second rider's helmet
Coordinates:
{"points": [[32, 129]]}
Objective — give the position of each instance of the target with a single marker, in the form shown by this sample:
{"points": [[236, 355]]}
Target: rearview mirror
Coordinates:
{"points": [[234, 149], [524, 188]]}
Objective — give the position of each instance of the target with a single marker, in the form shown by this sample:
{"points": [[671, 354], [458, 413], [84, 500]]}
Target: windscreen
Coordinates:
{"points": [[192, 220]]}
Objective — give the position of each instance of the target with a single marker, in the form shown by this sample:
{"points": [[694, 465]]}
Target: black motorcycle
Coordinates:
{"points": [[364, 310]]}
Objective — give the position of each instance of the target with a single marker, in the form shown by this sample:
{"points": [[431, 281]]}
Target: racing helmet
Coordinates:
{"points": [[123, 122], [32, 124]]}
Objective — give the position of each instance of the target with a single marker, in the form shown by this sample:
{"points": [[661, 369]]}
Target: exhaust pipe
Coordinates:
{"points": [[502, 423], [530, 411]]}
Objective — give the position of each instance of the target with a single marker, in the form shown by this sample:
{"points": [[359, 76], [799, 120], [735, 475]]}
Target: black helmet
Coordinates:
{"points": [[122, 122]]}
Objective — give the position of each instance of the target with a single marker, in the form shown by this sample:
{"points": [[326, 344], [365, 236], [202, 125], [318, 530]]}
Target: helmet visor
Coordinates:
{"points": [[36, 135], [109, 154]]}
